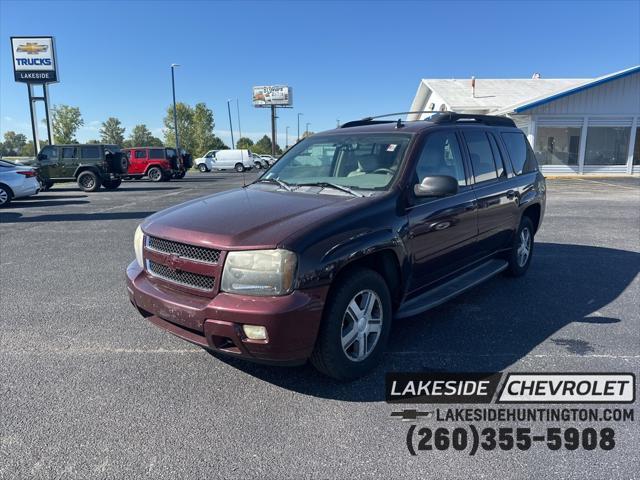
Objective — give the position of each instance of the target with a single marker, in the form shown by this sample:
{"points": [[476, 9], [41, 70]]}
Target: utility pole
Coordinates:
{"points": [[233, 143], [175, 112], [273, 130], [286, 147]]}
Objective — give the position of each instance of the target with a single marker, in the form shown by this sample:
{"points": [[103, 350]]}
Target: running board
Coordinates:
{"points": [[451, 289]]}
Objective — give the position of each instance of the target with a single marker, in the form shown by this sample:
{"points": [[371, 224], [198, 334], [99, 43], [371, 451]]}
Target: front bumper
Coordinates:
{"points": [[292, 321]]}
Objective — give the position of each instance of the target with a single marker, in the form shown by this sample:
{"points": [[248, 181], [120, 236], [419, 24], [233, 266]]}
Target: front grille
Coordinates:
{"points": [[200, 254], [187, 279]]}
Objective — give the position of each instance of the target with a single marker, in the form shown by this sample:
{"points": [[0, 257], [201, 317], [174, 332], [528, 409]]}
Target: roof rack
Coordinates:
{"points": [[437, 117]]}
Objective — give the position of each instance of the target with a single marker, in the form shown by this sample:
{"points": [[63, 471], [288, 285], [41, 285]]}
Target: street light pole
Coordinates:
{"points": [[175, 112], [233, 144], [307, 129], [286, 147], [239, 127], [299, 125]]}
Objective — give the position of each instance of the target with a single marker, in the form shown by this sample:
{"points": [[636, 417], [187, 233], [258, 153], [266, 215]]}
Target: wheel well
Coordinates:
{"points": [[149, 167], [84, 169], [533, 212], [7, 187], [384, 263]]}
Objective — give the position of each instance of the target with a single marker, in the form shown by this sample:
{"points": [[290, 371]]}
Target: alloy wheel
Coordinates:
{"points": [[362, 325], [524, 247], [4, 196]]}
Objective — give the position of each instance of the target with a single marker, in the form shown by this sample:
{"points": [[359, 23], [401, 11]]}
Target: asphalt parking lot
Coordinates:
{"points": [[91, 390]]}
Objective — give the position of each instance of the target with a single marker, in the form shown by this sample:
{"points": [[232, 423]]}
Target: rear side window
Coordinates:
{"points": [[156, 153], [484, 166], [522, 157], [141, 154], [497, 155], [90, 152]]}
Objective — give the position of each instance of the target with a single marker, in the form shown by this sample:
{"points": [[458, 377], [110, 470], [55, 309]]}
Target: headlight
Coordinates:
{"points": [[138, 243], [259, 272]]}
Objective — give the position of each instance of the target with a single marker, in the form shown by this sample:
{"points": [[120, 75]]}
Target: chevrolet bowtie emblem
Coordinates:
{"points": [[173, 260], [32, 48]]}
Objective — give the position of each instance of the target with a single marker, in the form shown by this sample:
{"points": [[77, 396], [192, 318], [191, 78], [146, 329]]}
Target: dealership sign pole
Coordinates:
{"points": [[275, 96], [35, 63]]}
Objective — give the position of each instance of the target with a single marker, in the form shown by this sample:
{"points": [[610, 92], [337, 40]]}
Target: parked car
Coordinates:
{"points": [[268, 160], [160, 164], [91, 166], [351, 228], [235, 159], [17, 181]]}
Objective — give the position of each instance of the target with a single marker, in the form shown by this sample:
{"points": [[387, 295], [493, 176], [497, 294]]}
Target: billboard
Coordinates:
{"points": [[34, 59], [278, 95]]}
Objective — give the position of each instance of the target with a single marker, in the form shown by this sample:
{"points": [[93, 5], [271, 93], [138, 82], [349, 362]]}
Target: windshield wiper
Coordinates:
{"points": [[284, 185], [335, 186]]}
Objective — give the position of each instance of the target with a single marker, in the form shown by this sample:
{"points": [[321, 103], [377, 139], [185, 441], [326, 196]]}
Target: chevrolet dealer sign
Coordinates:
{"points": [[34, 59]]}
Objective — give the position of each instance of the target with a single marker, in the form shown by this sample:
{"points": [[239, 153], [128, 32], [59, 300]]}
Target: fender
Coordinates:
{"points": [[87, 166], [353, 249]]}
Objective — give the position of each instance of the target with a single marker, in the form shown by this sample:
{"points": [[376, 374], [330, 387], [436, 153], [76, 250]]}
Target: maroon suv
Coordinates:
{"points": [[352, 228]]}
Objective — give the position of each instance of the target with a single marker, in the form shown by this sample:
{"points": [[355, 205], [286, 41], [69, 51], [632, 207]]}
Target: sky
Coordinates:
{"points": [[344, 60]]}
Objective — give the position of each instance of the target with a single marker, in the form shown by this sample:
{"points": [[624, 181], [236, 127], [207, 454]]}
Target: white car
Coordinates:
{"points": [[237, 159], [17, 181]]}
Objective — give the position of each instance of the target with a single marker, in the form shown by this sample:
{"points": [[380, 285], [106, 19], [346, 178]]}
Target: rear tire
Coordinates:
{"points": [[355, 326], [88, 181], [519, 257], [239, 167], [112, 184], [155, 174], [5, 196], [180, 174], [258, 165], [203, 168]]}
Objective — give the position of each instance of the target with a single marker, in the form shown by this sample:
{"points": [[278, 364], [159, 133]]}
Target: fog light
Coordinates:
{"points": [[255, 332]]}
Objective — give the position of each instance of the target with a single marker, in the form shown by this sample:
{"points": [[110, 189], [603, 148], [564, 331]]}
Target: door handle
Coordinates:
{"points": [[511, 194]]}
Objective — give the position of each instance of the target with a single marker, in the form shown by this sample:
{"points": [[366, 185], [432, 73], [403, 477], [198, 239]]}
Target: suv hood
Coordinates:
{"points": [[246, 218]]}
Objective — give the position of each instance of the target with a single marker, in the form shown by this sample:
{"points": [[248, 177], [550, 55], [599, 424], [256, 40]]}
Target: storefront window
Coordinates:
{"points": [[558, 145], [607, 145], [636, 150]]}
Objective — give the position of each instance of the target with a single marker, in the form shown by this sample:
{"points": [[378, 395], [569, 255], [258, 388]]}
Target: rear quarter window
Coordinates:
{"points": [[90, 152], [156, 153], [520, 152]]}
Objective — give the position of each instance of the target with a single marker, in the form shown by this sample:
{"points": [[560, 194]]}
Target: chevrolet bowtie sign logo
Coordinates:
{"points": [[32, 48], [34, 59]]}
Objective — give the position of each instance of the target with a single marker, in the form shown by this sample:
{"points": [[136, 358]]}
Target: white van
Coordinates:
{"points": [[237, 159]]}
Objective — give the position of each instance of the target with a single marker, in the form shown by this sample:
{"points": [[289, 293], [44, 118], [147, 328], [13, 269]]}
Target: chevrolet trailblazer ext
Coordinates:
{"points": [[351, 228]]}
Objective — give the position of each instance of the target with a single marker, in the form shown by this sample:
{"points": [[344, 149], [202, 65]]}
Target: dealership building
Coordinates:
{"points": [[576, 126]]}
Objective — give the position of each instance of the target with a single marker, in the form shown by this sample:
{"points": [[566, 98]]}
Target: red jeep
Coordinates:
{"points": [[158, 163]]}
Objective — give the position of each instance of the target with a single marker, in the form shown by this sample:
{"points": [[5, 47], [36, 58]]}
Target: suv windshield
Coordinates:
{"points": [[360, 161]]}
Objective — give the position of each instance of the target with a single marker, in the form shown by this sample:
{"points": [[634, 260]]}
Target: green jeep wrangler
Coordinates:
{"points": [[91, 166]]}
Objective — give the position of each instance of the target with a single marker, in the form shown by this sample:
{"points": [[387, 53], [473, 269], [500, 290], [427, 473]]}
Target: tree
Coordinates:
{"points": [[216, 143], [185, 127], [27, 149], [13, 143], [66, 122], [244, 142], [203, 124], [307, 134], [263, 146], [141, 136], [93, 141], [112, 131]]}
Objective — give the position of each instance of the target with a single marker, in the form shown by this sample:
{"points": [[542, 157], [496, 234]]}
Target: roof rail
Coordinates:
{"points": [[453, 117], [437, 117]]}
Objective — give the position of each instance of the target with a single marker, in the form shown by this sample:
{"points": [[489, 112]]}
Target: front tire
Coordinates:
{"points": [[239, 168], [355, 326], [5, 196], [88, 181], [522, 249], [203, 168]]}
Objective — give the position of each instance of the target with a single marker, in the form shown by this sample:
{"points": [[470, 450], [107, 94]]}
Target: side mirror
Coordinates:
{"points": [[436, 186]]}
